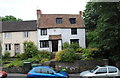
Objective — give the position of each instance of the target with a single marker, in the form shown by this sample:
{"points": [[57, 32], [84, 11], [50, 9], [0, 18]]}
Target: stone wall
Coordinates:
{"points": [[72, 67], [80, 65]]}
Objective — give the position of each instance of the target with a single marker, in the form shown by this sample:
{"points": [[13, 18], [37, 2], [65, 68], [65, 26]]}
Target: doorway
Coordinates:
{"points": [[54, 45], [17, 48]]}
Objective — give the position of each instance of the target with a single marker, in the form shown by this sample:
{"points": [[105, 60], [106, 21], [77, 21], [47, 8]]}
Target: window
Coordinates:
{"points": [[101, 70], [44, 31], [7, 47], [72, 20], [74, 41], [26, 34], [7, 35], [44, 44], [74, 31], [59, 20], [112, 70], [43, 70]]}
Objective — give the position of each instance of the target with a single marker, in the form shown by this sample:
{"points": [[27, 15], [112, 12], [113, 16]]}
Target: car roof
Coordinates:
{"points": [[106, 66], [42, 67]]}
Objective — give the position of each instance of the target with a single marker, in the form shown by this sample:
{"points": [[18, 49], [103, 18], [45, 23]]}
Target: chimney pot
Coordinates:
{"points": [[39, 11], [80, 13]]}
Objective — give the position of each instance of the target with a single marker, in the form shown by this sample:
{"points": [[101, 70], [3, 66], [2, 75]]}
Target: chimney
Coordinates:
{"points": [[39, 13], [80, 13], [38, 17]]}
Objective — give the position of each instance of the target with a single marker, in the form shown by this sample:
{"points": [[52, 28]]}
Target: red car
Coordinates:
{"points": [[3, 74]]}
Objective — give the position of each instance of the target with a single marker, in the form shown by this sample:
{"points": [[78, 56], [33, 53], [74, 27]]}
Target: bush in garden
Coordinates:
{"points": [[44, 54], [66, 45], [74, 46], [89, 53], [67, 55], [58, 55], [30, 50], [6, 56]]}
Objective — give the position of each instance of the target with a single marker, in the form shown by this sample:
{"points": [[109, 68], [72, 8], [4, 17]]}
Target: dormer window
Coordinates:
{"points": [[72, 20], [58, 20]]}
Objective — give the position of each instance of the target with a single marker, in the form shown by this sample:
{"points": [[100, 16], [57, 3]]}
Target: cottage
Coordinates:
{"points": [[14, 34], [55, 29]]}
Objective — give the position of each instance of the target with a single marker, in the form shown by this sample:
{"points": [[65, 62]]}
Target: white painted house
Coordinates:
{"points": [[55, 29]]}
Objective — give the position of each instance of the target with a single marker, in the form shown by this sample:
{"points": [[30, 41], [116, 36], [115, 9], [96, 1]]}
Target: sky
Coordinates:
{"points": [[26, 9]]}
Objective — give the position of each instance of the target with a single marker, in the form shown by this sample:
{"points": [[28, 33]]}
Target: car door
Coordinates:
{"points": [[47, 73], [101, 72], [112, 71]]}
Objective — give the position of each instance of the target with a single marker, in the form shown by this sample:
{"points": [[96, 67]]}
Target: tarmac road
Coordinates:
{"points": [[14, 75]]}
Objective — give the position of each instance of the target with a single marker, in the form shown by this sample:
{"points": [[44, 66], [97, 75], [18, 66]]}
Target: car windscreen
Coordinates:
{"points": [[93, 69]]}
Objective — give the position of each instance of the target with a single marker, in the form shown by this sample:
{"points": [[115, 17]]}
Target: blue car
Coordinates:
{"points": [[45, 72]]}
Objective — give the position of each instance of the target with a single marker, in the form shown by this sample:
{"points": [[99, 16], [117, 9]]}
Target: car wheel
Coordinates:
{"points": [[89, 77], [117, 77]]}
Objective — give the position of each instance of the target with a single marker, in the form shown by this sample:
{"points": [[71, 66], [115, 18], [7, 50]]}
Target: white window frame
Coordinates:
{"points": [[7, 47], [26, 34]]}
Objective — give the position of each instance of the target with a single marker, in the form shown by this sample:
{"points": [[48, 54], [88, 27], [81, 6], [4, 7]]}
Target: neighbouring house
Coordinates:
{"points": [[0, 31], [55, 29], [14, 34]]}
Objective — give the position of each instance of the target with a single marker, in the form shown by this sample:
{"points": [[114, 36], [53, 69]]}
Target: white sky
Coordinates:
{"points": [[26, 9]]}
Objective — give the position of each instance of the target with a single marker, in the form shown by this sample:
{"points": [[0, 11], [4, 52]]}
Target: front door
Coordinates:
{"points": [[54, 45], [17, 48]]}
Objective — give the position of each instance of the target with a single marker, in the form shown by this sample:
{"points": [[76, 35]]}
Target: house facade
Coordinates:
{"points": [[55, 29], [14, 34]]}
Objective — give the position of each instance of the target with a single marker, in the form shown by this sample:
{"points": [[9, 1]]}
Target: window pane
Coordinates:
{"points": [[59, 20], [43, 31], [112, 70], [44, 44], [73, 31], [101, 70], [72, 20], [7, 47], [74, 41]]}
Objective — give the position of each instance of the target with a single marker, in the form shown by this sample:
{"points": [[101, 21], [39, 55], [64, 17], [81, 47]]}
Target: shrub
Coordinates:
{"points": [[6, 56], [67, 55], [44, 54], [66, 45], [74, 46], [30, 50], [89, 53], [58, 55]]}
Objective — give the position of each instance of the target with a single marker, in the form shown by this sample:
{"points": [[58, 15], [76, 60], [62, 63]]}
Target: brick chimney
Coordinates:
{"points": [[38, 17], [80, 13], [39, 13]]}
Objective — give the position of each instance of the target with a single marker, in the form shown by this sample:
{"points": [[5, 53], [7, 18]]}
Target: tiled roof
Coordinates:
{"points": [[49, 21], [19, 26]]}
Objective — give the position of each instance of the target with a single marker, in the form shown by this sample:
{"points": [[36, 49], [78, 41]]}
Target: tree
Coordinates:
{"points": [[107, 25], [90, 16], [10, 18]]}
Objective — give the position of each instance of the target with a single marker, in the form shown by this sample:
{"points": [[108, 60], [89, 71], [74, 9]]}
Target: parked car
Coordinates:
{"points": [[45, 72], [3, 74], [103, 71]]}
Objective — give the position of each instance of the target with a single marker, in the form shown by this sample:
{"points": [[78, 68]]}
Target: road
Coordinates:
{"points": [[24, 75]]}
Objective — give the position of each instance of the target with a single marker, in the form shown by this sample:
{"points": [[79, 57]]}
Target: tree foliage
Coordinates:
{"points": [[10, 18], [104, 20]]}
